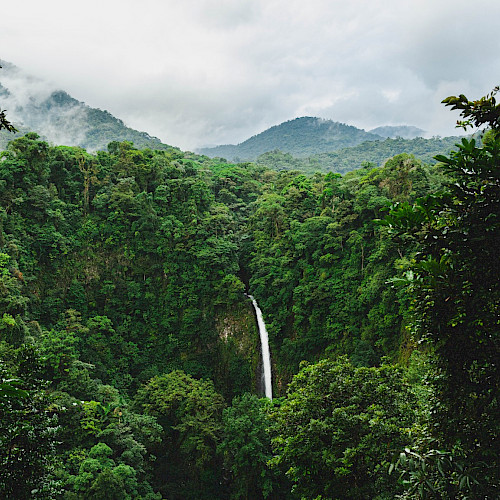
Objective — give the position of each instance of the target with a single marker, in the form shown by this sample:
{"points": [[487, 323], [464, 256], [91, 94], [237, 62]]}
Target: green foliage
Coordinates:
{"points": [[321, 266], [190, 412], [61, 118], [28, 431], [4, 123], [125, 272], [246, 448], [477, 113], [338, 428], [435, 474], [455, 285], [346, 159], [99, 477], [110, 231]]}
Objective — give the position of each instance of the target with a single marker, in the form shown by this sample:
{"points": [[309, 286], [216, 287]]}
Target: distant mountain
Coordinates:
{"points": [[300, 137], [372, 152], [59, 118], [403, 131]]}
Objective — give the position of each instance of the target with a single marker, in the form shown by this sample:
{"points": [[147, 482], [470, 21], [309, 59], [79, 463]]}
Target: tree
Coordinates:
{"points": [[28, 431], [483, 111], [4, 123], [190, 412], [455, 284], [246, 447], [338, 428]]}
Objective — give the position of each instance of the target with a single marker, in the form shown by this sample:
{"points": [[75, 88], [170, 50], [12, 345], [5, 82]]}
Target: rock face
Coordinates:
{"points": [[240, 363]]}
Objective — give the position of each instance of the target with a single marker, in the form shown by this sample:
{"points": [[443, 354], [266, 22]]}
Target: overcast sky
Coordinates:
{"points": [[205, 72]]}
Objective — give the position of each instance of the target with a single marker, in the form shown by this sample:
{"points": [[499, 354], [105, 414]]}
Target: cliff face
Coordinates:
{"points": [[240, 360]]}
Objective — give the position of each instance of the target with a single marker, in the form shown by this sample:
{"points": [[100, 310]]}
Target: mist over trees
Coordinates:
{"points": [[4, 123]]}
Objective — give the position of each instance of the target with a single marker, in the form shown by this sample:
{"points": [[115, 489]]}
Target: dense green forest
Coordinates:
{"points": [[346, 159], [129, 352], [312, 144]]}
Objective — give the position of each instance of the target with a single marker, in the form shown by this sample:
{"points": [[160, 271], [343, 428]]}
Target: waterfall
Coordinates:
{"points": [[266, 357]]}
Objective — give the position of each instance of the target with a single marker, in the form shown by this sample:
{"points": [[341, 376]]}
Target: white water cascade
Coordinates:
{"points": [[266, 357]]}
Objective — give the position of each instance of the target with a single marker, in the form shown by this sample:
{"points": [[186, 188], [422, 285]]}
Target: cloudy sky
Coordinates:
{"points": [[205, 72]]}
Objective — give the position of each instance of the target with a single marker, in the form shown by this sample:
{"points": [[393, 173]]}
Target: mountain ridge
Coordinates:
{"points": [[60, 118], [314, 143], [301, 137], [395, 131]]}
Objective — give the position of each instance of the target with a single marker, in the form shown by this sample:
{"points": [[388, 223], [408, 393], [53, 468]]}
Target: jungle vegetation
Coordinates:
{"points": [[128, 350]]}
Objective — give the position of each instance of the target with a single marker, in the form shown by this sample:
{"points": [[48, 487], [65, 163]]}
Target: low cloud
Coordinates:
{"points": [[211, 72]]}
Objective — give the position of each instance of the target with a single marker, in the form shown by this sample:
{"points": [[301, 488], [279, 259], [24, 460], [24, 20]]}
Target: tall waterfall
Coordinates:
{"points": [[266, 357]]}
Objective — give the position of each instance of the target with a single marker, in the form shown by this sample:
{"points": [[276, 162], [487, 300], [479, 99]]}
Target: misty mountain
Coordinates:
{"points": [[403, 131], [32, 105], [300, 137]]}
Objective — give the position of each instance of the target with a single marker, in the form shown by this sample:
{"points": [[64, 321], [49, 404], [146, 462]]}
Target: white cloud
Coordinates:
{"points": [[216, 71]]}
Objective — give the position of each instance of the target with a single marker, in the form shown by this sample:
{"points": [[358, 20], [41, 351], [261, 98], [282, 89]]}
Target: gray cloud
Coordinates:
{"points": [[217, 71]]}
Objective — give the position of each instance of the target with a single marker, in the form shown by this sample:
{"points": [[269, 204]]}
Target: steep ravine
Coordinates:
{"points": [[240, 362]]}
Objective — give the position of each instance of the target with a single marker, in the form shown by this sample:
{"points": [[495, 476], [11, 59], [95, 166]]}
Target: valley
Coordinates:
{"points": [[130, 353]]}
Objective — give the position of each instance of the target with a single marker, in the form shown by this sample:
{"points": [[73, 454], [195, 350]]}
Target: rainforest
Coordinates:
{"points": [[130, 359]]}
